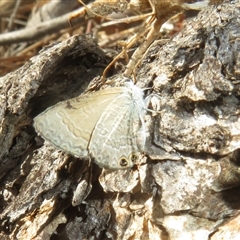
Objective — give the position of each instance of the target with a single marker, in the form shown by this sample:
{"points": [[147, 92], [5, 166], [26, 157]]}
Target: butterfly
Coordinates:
{"points": [[108, 125]]}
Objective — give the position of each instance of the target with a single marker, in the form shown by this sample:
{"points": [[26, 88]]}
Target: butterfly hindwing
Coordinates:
{"points": [[114, 141]]}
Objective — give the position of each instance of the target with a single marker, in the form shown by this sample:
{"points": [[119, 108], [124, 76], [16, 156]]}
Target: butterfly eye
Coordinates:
{"points": [[123, 162]]}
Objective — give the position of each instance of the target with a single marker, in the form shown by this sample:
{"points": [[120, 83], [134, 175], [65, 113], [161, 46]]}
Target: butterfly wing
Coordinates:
{"points": [[114, 142], [68, 125]]}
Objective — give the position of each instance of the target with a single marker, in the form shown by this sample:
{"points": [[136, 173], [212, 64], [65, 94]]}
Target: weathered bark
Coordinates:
{"points": [[187, 184]]}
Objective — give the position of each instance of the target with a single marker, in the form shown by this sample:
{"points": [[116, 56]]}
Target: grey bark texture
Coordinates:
{"points": [[186, 186]]}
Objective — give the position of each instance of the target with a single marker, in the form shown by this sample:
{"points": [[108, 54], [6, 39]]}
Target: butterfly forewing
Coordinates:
{"points": [[68, 125]]}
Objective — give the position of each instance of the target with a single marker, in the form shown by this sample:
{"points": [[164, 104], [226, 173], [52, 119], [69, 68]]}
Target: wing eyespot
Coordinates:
{"points": [[133, 157], [123, 162], [127, 162]]}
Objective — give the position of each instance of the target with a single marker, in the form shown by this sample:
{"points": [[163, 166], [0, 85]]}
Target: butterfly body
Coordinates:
{"points": [[107, 124]]}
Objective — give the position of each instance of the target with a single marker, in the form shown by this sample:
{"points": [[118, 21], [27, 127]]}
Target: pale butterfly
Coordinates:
{"points": [[107, 124]]}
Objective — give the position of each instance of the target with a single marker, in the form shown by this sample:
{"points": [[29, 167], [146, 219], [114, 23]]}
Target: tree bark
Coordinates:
{"points": [[187, 184]]}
